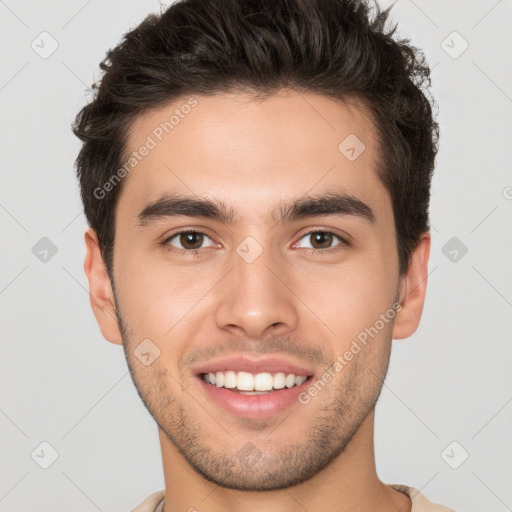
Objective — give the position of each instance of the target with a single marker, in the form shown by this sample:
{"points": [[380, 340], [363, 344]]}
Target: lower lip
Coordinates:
{"points": [[254, 406]]}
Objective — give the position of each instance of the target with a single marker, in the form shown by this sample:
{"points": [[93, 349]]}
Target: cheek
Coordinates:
{"points": [[350, 298], [158, 300]]}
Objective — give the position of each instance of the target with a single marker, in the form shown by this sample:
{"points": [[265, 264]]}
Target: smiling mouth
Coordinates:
{"points": [[246, 383]]}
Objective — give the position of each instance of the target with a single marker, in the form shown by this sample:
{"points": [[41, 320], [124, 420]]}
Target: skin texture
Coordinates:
{"points": [[253, 155]]}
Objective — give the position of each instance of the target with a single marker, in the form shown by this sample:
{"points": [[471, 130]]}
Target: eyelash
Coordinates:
{"points": [[195, 252]]}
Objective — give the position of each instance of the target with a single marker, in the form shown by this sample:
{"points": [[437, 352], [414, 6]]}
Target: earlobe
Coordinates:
{"points": [[101, 295], [413, 288]]}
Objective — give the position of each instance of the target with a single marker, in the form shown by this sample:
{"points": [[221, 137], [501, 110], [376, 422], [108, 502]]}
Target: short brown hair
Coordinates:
{"points": [[329, 47]]}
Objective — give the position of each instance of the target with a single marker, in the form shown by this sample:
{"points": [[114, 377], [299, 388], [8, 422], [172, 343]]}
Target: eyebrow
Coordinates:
{"points": [[329, 203]]}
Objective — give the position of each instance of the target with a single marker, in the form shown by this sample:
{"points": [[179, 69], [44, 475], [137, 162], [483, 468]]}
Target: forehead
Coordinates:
{"points": [[252, 154]]}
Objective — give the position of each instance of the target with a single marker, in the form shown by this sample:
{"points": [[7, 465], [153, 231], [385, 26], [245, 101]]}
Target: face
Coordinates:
{"points": [[290, 266]]}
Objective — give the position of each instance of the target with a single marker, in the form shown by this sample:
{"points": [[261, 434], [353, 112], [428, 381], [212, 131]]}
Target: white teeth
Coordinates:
{"points": [[298, 380], [279, 380], [290, 380], [245, 381], [230, 379], [263, 382], [249, 383]]}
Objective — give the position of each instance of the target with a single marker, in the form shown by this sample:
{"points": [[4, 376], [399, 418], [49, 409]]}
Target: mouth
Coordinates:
{"points": [[253, 396], [246, 383], [253, 389]]}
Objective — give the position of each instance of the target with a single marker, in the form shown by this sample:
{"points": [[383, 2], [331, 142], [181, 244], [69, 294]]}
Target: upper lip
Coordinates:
{"points": [[245, 363]]}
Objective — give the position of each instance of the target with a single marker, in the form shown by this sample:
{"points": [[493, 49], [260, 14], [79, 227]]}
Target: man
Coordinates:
{"points": [[256, 178]]}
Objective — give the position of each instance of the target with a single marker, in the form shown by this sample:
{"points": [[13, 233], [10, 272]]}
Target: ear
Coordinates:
{"points": [[101, 295], [413, 287]]}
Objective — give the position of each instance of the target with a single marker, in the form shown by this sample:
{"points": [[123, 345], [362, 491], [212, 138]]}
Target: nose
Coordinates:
{"points": [[256, 297]]}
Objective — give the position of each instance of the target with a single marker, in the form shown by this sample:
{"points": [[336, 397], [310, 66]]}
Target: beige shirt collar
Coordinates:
{"points": [[155, 502]]}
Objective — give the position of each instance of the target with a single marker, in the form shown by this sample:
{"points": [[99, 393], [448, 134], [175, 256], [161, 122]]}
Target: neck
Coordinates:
{"points": [[348, 484]]}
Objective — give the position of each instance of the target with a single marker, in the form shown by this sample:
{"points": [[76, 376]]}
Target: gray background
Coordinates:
{"points": [[449, 388]]}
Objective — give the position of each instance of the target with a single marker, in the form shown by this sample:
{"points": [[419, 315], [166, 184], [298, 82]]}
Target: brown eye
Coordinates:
{"points": [[189, 240], [323, 240]]}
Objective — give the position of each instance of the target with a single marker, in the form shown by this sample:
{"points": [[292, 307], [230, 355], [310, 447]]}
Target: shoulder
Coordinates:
{"points": [[420, 503], [150, 503]]}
